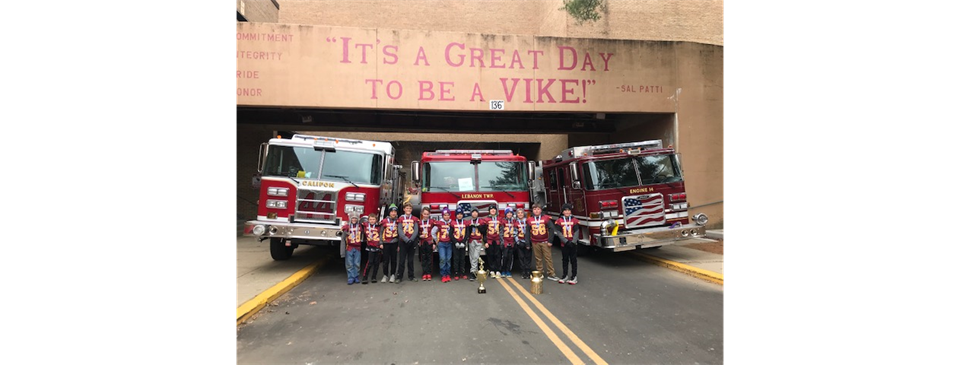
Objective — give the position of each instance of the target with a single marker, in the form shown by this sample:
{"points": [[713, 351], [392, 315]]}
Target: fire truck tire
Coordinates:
{"points": [[278, 251]]}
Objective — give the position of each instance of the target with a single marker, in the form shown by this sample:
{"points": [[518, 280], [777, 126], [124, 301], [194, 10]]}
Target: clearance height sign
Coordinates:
{"points": [[319, 66]]}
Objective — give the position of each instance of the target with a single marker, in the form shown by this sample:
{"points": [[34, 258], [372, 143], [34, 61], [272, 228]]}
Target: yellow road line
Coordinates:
{"points": [[710, 276], [543, 327], [254, 305], [576, 340]]}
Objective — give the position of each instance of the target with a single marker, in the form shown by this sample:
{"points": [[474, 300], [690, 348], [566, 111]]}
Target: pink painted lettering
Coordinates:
{"points": [[516, 59], [447, 54], [476, 92], [529, 99], [445, 91], [426, 87], [509, 93], [248, 92], [565, 90], [363, 51], [545, 90], [346, 50], [389, 54], [562, 58], [606, 60], [587, 61], [535, 54], [423, 56], [476, 54], [373, 86], [494, 58], [399, 90]]}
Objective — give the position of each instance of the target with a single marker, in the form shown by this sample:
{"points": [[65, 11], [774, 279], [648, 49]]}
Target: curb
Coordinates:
{"points": [[710, 276], [252, 306]]}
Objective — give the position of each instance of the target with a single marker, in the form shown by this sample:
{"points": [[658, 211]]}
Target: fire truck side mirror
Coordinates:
{"points": [[260, 156], [415, 171], [531, 170]]}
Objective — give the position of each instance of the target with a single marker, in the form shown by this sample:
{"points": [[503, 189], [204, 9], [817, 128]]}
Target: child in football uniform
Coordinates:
{"points": [[371, 231]]}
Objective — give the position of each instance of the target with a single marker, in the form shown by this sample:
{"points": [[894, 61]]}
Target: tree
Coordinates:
{"points": [[583, 10]]}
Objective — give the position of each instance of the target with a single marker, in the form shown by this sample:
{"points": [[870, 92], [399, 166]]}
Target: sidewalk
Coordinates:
{"points": [[699, 263]]}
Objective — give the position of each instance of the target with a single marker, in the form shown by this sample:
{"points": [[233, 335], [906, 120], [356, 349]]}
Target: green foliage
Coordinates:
{"points": [[583, 10]]}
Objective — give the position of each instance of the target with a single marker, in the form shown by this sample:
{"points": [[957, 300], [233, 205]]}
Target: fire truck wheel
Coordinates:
{"points": [[278, 251]]}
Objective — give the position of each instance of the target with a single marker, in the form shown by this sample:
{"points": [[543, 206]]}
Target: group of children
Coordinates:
{"points": [[455, 238]]}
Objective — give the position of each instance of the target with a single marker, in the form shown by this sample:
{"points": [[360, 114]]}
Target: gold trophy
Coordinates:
{"points": [[536, 284], [481, 277]]}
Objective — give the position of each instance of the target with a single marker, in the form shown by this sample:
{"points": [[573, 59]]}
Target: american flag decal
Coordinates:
{"points": [[483, 208], [643, 210]]}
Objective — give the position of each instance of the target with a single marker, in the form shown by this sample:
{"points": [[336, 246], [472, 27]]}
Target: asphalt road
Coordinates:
{"points": [[623, 311]]}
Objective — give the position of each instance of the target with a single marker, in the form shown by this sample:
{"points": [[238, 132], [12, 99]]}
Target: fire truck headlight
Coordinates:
{"points": [[353, 209], [277, 204], [356, 197], [277, 191], [259, 229], [700, 219]]}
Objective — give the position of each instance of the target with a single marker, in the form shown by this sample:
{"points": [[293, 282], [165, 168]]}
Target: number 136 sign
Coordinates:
{"points": [[496, 104]]}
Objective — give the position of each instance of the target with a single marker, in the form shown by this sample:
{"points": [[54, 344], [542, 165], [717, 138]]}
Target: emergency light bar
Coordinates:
{"points": [[656, 143], [328, 139]]}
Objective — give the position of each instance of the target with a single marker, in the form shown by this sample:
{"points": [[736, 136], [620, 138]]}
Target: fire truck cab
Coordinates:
{"points": [[626, 196], [309, 185], [471, 179]]}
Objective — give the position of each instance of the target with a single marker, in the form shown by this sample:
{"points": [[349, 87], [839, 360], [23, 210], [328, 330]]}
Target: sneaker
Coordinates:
{"points": [[554, 278], [364, 281], [393, 278], [384, 280], [564, 279], [573, 281]]}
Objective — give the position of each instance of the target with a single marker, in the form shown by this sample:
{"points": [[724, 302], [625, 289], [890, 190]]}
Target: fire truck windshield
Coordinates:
{"points": [[502, 176], [623, 172], [453, 176], [462, 176], [304, 162], [658, 169]]}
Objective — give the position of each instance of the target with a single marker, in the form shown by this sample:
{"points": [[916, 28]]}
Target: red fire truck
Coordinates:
{"points": [[308, 185], [626, 196], [471, 178]]}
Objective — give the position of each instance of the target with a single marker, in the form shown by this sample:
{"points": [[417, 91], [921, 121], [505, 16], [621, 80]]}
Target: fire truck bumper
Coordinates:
{"points": [[651, 237], [291, 230]]}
